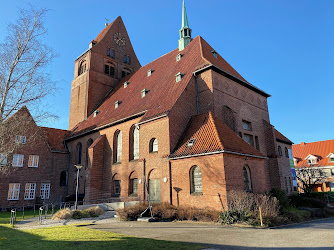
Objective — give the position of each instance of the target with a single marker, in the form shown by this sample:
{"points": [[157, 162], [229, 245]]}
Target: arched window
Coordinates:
{"points": [[279, 151], [286, 152], [195, 180], [63, 178], [89, 143], [82, 68], [118, 146], [133, 184], [153, 145], [78, 153], [134, 143], [247, 179]]}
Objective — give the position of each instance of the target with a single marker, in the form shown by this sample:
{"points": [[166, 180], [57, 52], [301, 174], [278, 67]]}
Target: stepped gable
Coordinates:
{"points": [[55, 138], [211, 135], [321, 149], [280, 137]]}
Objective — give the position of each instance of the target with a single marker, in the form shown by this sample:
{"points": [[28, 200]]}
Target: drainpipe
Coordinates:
{"points": [[68, 166], [197, 108], [144, 181]]}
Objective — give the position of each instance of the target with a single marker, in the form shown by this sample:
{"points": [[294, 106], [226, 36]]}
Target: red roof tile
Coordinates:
{"points": [[104, 31], [55, 138], [211, 135], [163, 89], [282, 138], [321, 149]]}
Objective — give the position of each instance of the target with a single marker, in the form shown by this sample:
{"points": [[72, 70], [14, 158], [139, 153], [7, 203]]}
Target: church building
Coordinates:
{"points": [[185, 129]]}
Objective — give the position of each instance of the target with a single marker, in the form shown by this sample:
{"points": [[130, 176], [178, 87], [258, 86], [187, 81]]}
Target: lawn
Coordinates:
{"points": [[5, 216], [74, 237]]}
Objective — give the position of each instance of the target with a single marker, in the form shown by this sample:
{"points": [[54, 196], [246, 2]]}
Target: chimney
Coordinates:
{"points": [[302, 143]]}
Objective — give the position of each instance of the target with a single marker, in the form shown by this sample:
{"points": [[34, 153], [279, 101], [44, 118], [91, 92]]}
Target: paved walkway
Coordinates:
{"points": [[108, 217], [311, 235]]}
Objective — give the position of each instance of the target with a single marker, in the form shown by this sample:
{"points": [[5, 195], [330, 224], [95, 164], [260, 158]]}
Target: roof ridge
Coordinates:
{"points": [[201, 49], [215, 130]]}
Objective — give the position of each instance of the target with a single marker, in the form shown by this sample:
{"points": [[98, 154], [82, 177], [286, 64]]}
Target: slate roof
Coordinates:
{"points": [[321, 149], [280, 137], [55, 138], [163, 89], [211, 135]]}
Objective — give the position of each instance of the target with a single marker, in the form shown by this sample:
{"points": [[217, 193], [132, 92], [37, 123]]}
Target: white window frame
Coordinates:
{"points": [[18, 160], [29, 193], [45, 191], [21, 139], [32, 161], [13, 191], [3, 159]]}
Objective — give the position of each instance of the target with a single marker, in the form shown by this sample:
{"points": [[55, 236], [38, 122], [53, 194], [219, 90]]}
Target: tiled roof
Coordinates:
{"points": [[163, 89], [282, 138], [104, 31], [321, 149], [211, 135], [55, 138]]}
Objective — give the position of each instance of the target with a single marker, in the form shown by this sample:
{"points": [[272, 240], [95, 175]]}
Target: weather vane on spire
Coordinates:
{"points": [[107, 20]]}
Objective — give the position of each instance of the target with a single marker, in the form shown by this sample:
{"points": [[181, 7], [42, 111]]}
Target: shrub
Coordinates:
{"points": [[269, 205], [241, 200], [166, 211], [233, 215], [63, 214], [131, 212], [94, 211], [296, 215], [283, 199], [302, 200]]}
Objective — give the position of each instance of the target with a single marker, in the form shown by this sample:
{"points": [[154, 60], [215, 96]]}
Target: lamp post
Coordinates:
{"points": [[77, 187]]}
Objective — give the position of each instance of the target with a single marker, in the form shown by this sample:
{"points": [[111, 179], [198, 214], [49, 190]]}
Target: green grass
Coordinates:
{"points": [[5, 216], [73, 237]]}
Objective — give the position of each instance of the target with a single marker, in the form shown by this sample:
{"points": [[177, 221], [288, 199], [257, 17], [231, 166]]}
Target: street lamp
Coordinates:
{"points": [[77, 187]]}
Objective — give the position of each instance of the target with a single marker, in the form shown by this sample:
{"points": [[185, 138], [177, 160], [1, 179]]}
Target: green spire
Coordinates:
{"points": [[184, 17], [185, 31]]}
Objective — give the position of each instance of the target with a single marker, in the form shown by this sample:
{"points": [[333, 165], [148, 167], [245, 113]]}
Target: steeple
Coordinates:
{"points": [[185, 31]]}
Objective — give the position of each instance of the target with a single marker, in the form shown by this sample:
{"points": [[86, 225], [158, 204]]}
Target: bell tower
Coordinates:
{"points": [[185, 31], [109, 58]]}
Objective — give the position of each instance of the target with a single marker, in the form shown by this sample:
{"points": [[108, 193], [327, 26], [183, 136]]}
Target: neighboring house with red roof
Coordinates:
{"points": [[34, 165], [318, 156], [184, 129]]}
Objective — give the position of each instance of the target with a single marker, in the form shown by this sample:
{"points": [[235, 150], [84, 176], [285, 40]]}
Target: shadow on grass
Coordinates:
{"points": [[70, 237]]}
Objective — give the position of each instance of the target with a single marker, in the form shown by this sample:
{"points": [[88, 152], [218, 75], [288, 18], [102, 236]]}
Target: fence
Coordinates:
{"points": [[43, 209]]}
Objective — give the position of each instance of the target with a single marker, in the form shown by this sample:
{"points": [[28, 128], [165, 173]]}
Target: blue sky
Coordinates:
{"points": [[284, 47]]}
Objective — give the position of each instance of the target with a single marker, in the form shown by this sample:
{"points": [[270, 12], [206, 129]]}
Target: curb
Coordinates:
{"points": [[298, 223]]}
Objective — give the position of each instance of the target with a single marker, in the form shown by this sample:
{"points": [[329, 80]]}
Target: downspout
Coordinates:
{"points": [[197, 108], [68, 166], [144, 181]]}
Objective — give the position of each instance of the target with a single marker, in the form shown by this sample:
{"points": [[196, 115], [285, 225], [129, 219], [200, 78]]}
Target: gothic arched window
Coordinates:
{"points": [[118, 146], [82, 68], [134, 143], [89, 143], [247, 179], [286, 152]]}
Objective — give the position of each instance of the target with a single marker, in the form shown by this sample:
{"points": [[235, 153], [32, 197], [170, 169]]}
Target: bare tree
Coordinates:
{"points": [[24, 58], [309, 177], [24, 77]]}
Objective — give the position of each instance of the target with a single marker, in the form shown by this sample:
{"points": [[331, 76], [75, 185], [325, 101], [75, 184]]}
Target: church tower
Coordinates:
{"points": [[108, 59], [185, 31]]}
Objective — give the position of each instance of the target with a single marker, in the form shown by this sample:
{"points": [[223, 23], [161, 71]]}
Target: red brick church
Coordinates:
{"points": [[185, 129]]}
